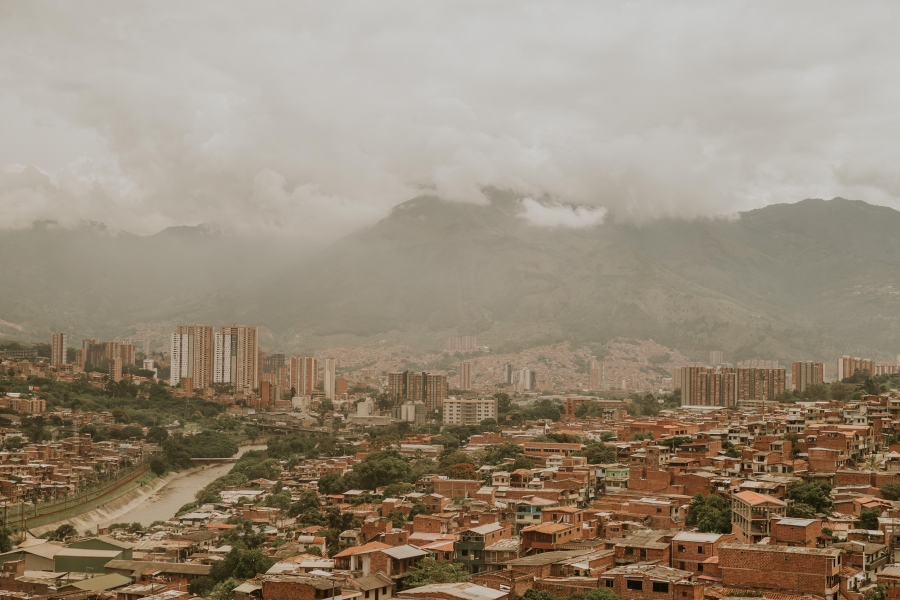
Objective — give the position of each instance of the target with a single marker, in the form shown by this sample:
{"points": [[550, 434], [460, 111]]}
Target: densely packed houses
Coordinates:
{"points": [[778, 501]]}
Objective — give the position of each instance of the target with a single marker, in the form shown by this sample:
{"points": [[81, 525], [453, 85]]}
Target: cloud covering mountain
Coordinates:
{"points": [[815, 279], [310, 119]]}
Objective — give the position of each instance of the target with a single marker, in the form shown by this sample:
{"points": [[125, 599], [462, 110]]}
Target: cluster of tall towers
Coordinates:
{"points": [[232, 355]]}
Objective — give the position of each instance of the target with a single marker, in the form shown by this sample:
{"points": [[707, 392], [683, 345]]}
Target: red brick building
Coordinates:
{"points": [[787, 569], [640, 582], [691, 549], [547, 537]]}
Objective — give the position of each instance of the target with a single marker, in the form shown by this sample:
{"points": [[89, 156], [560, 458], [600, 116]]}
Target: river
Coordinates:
{"points": [[159, 505], [165, 502]]}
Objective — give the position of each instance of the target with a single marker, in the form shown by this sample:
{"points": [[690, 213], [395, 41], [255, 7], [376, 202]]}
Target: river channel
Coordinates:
{"points": [[160, 503], [165, 502]]}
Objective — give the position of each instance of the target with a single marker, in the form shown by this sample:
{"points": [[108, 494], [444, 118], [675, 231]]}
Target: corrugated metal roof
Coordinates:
{"points": [[104, 582]]}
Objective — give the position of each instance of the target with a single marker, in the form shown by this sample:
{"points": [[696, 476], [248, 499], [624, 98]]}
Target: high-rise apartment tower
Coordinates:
{"points": [[58, 347], [235, 357], [191, 354]]}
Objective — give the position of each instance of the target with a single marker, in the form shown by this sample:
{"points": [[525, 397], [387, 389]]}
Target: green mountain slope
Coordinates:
{"points": [[813, 279]]}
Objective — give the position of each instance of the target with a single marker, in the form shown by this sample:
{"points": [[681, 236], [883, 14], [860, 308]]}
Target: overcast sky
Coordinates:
{"points": [[316, 118]]}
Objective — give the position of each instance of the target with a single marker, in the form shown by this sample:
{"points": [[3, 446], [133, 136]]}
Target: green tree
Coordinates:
{"points": [[521, 463], [395, 490], [890, 491], [431, 571], [201, 586], [397, 518], [488, 425], [62, 533], [868, 518], [5, 540], [242, 564], [418, 508], [534, 594], [280, 500], [710, 515], [224, 590], [503, 402], [382, 468], [816, 494], [598, 453], [14, 443], [332, 483], [800, 510], [158, 467], [674, 442], [841, 391], [309, 500], [252, 432], [157, 435]]}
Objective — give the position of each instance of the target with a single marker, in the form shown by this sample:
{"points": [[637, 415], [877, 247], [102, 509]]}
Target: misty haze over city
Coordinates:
{"points": [[449, 300]]}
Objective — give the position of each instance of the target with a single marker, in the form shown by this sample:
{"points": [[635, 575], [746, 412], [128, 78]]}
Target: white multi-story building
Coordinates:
{"points": [[236, 357], [330, 375], [525, 381], [471, 411]]}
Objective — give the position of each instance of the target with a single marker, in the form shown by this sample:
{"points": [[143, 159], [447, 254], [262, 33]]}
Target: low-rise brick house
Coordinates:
{"points": [[869, 558], [646, 546], [889, 577], [566, 586], [469, 549], [787, 531], [453, 591], [544, 564], [655, 582], [358, 558], [751, 514], [374, 587], [299, 587], [690, 549], [394, 562], [512, 581], [433, 524], [546, 537], [500, 552], [792, 569]]}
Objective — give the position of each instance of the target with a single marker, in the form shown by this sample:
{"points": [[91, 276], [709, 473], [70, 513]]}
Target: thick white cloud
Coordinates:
{"points": [[315, 118], [555, 214]]}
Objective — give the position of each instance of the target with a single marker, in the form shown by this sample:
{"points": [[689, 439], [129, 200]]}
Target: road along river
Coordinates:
{"points": [[157, 501]]}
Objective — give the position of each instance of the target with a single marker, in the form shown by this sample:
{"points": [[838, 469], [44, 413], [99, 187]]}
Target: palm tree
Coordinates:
{"points": [[872, 462]]}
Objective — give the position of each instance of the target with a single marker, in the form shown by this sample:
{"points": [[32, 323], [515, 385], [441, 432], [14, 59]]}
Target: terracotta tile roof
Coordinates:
{"points": [[716, 593], [754, 499], [548, 527], [370, 547]]}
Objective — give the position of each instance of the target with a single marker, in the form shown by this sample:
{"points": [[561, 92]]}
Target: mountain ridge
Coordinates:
{"points": [[805, 280]]}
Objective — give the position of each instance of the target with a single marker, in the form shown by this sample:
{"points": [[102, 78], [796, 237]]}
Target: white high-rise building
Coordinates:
{"points": [[525, 381], [330, 375], [236, 357], [191, 355]]}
